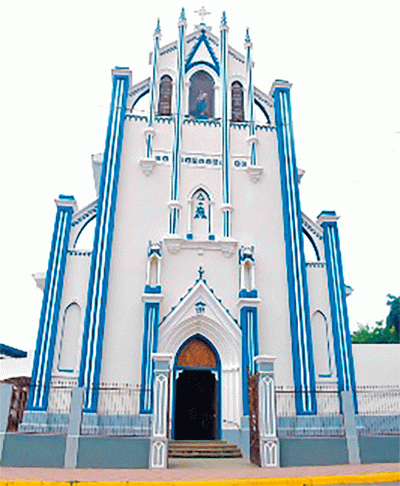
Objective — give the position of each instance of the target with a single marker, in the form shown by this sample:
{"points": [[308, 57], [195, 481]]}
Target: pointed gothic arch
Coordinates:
{"points": [[200, 217]]}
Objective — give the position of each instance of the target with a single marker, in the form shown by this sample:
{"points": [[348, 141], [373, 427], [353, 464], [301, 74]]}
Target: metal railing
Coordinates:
{"points": [[378, 410], [117, 412], [327, 422]]}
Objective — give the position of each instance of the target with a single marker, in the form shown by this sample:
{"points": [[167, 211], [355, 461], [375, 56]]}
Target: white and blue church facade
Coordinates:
{"points": [[198, 250]]}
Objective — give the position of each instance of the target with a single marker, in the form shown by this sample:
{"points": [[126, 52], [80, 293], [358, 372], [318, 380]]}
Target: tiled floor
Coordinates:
{"points": [[186, 469]]}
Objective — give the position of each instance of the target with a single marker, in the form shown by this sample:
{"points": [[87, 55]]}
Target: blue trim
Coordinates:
{"points": [[313, 243], [218, 369], [176, 149], [249, 326], [139, 98], [12, 352], [263, 110], [45, 342], [225, 128], [89, 374], [249, 294], [211, 237], [148, 289], [91, 218], [150, 343], [339, 314], [189, 64], [189, 236], [299, 309]]}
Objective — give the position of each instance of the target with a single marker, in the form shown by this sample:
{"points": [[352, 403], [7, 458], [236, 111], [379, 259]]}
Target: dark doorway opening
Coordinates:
{"points": [[195, 408]]}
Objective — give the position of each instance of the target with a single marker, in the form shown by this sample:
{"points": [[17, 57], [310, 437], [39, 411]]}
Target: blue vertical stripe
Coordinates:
{"points": [[44, 353], [150, 340], [250, 99], [153, 87], [89, 375], [225, 127], [176, 149], [339, 315], [249, 327], [299, 310]]}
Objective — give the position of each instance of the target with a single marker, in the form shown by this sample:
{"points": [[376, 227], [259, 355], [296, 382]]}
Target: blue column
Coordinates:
{"points": [[250, 100], [150, 341], [226, 207], [174, 205], [337, 298], [249, 326], [153, 89], [89, 375], [44, 353], [299, 308]]}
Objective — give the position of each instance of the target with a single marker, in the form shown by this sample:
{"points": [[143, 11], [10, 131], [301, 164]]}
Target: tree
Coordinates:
{"points": [[393, 319], [380, 334]]}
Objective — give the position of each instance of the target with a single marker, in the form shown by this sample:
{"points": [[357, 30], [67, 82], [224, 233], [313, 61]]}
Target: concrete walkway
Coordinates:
{"points": [[216, 469]]}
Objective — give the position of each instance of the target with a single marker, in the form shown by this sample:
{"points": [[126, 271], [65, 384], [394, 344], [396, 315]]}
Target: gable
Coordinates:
{"points": [[202, 53]]}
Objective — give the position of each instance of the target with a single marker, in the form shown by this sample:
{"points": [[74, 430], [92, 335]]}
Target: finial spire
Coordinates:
{"points": [[182, 16], [201, 272], [247, 40], [223, 20], [157, 32]]}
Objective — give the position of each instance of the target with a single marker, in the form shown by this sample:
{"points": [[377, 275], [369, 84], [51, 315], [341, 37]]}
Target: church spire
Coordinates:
{"points": [[153, 89], [174, 204], [250, 99]]}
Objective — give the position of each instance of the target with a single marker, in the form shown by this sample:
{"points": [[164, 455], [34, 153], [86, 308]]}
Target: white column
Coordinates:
{"points": [[269, 444], [159, 439]]}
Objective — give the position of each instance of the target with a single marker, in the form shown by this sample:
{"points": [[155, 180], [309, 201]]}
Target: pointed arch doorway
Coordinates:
{"points": [[197, 391]]}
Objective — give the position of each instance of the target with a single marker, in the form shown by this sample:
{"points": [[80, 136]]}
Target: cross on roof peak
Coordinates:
{"points": [[202, 12]]}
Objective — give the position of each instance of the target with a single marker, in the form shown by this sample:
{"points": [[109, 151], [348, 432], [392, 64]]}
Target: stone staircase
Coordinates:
{"points": [[202, 448]]}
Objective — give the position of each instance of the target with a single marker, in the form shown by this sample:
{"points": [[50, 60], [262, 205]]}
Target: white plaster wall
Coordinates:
{"points": [[76, 279], [319, 302], [377, 364]]}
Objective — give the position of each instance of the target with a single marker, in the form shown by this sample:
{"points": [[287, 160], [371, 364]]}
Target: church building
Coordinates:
{"points": [[198, 251]]}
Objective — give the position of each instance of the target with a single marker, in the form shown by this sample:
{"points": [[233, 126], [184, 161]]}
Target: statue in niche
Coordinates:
{"points": [[200, 113]]}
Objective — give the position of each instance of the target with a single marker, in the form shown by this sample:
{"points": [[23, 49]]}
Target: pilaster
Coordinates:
{"points": [[248, 310], [159, 439], [337, 298], [44, 352], [89, 375], [174, 210], [269, 443], [226, 208], [299, 308]]}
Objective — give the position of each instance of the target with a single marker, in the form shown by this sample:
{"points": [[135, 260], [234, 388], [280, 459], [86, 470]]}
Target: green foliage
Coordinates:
{"points": [[380, 334], [374, 334], [393, 319]]}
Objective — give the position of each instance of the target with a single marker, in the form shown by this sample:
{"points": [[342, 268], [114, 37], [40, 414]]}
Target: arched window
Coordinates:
{"points": [[200, 217], [201, 96], [321, 338], [69, 338], [165, 96], [237, 102]]}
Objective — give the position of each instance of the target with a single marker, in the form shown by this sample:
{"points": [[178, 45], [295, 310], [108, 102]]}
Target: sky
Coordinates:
{"points": [[55, 87]]}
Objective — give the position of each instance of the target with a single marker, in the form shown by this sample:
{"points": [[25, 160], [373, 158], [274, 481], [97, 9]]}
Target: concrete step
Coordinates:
{"points": [[215, 448]]}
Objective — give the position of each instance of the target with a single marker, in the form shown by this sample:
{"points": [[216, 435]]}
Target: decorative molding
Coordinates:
{"points": [[176, 243], [147, 165], [255, 172], [312, 227]]}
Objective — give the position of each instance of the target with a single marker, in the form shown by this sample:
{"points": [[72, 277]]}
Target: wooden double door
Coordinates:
{"points": [[196, 397]]}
